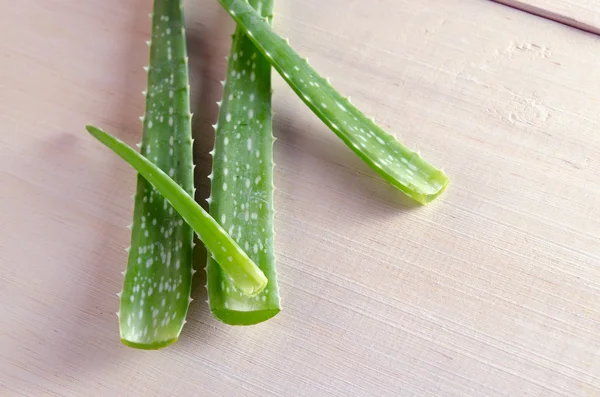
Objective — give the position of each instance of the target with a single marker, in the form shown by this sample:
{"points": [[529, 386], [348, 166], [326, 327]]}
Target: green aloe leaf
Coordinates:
{"points": [[398, 165], [242, 179], [157, 285]]}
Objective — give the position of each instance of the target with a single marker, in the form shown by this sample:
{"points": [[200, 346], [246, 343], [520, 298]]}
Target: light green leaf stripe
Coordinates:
{"points": [[242, 180], [400, 166]]}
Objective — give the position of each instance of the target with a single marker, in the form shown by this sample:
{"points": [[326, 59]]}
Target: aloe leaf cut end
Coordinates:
{"points": [[152, 345]]}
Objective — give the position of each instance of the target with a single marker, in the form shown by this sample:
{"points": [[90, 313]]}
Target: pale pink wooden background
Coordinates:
{"points": [[493, 290]]}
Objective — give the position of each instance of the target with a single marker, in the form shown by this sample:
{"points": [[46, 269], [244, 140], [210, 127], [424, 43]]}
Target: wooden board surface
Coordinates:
{"points": [[581, 14], [493, 290]]}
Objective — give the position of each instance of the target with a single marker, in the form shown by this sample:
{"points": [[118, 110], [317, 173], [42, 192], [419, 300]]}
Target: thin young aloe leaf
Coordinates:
{"points": [[403, 168], [242, 179], [157, 284], [244, 273]]}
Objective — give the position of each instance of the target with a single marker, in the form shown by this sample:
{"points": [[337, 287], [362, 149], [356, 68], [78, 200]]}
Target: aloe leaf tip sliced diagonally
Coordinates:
{"points": [[403, 168], [242, 182]]}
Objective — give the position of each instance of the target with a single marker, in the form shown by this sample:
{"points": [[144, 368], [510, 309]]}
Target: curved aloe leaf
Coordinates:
{"points": [[400, 166], [242, 181], [244, 273]]}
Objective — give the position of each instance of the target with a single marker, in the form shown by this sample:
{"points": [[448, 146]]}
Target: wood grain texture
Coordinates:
{"points": [[580, 14], [493, 290]]}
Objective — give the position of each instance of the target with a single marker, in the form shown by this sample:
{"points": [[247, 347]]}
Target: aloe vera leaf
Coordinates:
{"points": [[157, 284], [242, 180], [244, 273], [403, 168]]}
